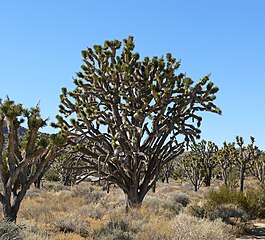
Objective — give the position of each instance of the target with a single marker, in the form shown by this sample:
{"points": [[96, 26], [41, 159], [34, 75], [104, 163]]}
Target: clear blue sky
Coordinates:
{"points": [[41, 41]]}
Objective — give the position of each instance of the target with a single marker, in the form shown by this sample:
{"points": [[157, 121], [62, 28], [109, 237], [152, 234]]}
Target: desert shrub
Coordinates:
{"points": [[157, 228], [93, 210], [176, 208], [228, 211], [196, 210], [39, 234], [10, 231], [184, 227], [181, 198], [231, 214], [33, 193], [153, 203], [90, 194], [256, 201], [191, 228], [55, 186], [225, 195], [38, 212], [71, 224], [116, 228], [252, 202]]}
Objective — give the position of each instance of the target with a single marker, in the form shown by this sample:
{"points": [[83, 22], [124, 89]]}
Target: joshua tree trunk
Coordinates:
{"points": [[11, 208], [154, 188], [167, 178], [196, 183], [224, 177], [10, 213], [196, 187], [133, 199], [208, 178], [262, 174], [37, 183], [134, 195], [242, 176]]}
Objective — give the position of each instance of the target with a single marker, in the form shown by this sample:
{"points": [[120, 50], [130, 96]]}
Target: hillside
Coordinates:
{"points": [[22, 131]]}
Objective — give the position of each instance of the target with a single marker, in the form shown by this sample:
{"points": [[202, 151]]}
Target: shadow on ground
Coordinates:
{"points": [[258, 232]]}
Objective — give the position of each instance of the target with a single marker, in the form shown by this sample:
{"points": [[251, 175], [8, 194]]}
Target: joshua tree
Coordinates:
{"points": [[226, 157], [167, 172], [21, 160], [71, 169], [192, 165], [257, 166], [131, 117], [206, 154], [244, 157]]}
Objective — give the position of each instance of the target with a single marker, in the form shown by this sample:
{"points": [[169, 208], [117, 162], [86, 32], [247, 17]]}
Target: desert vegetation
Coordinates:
{"points": [[85, 211], [130, 125]]}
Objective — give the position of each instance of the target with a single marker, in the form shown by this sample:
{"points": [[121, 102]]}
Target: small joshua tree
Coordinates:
{"points": [[206, 153], [226, 158], [192, 165], [257, 166], [245, 155], [21, 160], [131, 117]]}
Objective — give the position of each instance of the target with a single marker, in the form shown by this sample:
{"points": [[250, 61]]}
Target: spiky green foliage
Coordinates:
{"points": [[132, 115], [21, 160]]}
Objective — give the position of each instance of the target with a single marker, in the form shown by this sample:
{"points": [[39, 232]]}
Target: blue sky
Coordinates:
{"points": [[41, 41]]}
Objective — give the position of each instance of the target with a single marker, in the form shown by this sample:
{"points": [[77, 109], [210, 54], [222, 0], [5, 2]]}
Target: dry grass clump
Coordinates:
{"points": [[157, 228], [72, 224], [181, 198], [196, 210], [153, 206], [116, 228], [89, 194], [191, 228], [10, 231]]}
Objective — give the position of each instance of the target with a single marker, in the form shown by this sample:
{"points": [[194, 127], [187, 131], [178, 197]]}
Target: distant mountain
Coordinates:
{"points": [[21, 131]]}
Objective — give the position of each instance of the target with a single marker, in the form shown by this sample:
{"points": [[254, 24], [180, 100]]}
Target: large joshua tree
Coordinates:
{"points": [[22, 159], [128, 117]]}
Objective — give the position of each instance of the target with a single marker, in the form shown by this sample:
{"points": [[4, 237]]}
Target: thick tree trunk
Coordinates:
{"points": [[133, 199], [38, 181], [10, 212], [208, 178]]}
